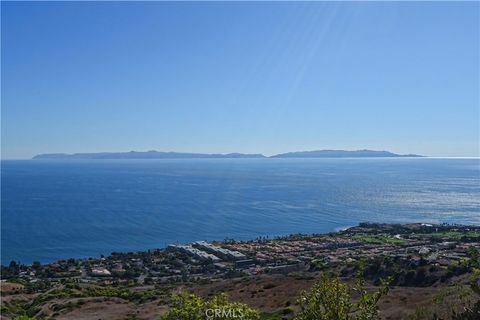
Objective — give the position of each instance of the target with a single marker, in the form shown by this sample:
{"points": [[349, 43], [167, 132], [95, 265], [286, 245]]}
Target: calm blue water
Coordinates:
{"points": [[53, 210]]}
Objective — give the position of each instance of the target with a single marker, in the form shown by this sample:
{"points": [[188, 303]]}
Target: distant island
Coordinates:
{"points": [[144, 155], [179, 155], [343, 154]]}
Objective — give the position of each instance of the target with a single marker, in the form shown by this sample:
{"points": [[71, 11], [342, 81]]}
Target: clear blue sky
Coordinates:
{"points": [[240, 77]]}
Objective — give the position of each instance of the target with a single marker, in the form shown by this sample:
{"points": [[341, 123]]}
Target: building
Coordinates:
{"points": [[100, 272], [219, 251], [199, 254]]}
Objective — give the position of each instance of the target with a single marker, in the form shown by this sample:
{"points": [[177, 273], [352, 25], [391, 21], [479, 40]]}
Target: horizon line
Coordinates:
{"points": [[262, 155]]}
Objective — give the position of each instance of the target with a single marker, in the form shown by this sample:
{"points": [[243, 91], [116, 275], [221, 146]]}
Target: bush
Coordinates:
{"points": [[188, 306], [330, 299]]}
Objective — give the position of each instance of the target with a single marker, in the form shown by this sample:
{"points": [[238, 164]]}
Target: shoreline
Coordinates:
{"points": [[162, 247], [420, 259], [335, 231]]}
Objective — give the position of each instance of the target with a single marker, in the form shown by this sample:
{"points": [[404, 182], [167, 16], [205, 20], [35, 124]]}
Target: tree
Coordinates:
{"points": [[330, 299], [188, 306], [474, 256], [14, 268], [367, 306], [471, 312]]}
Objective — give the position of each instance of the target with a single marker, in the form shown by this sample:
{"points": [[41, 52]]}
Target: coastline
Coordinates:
{"points": [[336, 231], [268, 274]]}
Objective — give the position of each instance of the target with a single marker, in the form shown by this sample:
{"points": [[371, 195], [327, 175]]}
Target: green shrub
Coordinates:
{"points": [[188, 306], [330, 299]]}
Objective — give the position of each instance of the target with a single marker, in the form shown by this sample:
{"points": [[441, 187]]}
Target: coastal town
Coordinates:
{"points": [[412, 255]]}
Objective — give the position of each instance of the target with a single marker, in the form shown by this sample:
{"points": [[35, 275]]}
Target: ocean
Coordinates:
{"points": [[53, 210]]}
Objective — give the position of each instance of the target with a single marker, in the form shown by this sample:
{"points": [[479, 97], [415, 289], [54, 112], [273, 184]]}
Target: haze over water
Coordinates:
{"points": [[61, 209]]}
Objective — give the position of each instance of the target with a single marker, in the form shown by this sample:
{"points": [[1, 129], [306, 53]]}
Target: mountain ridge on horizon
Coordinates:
{"points": [[153, 154]]}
